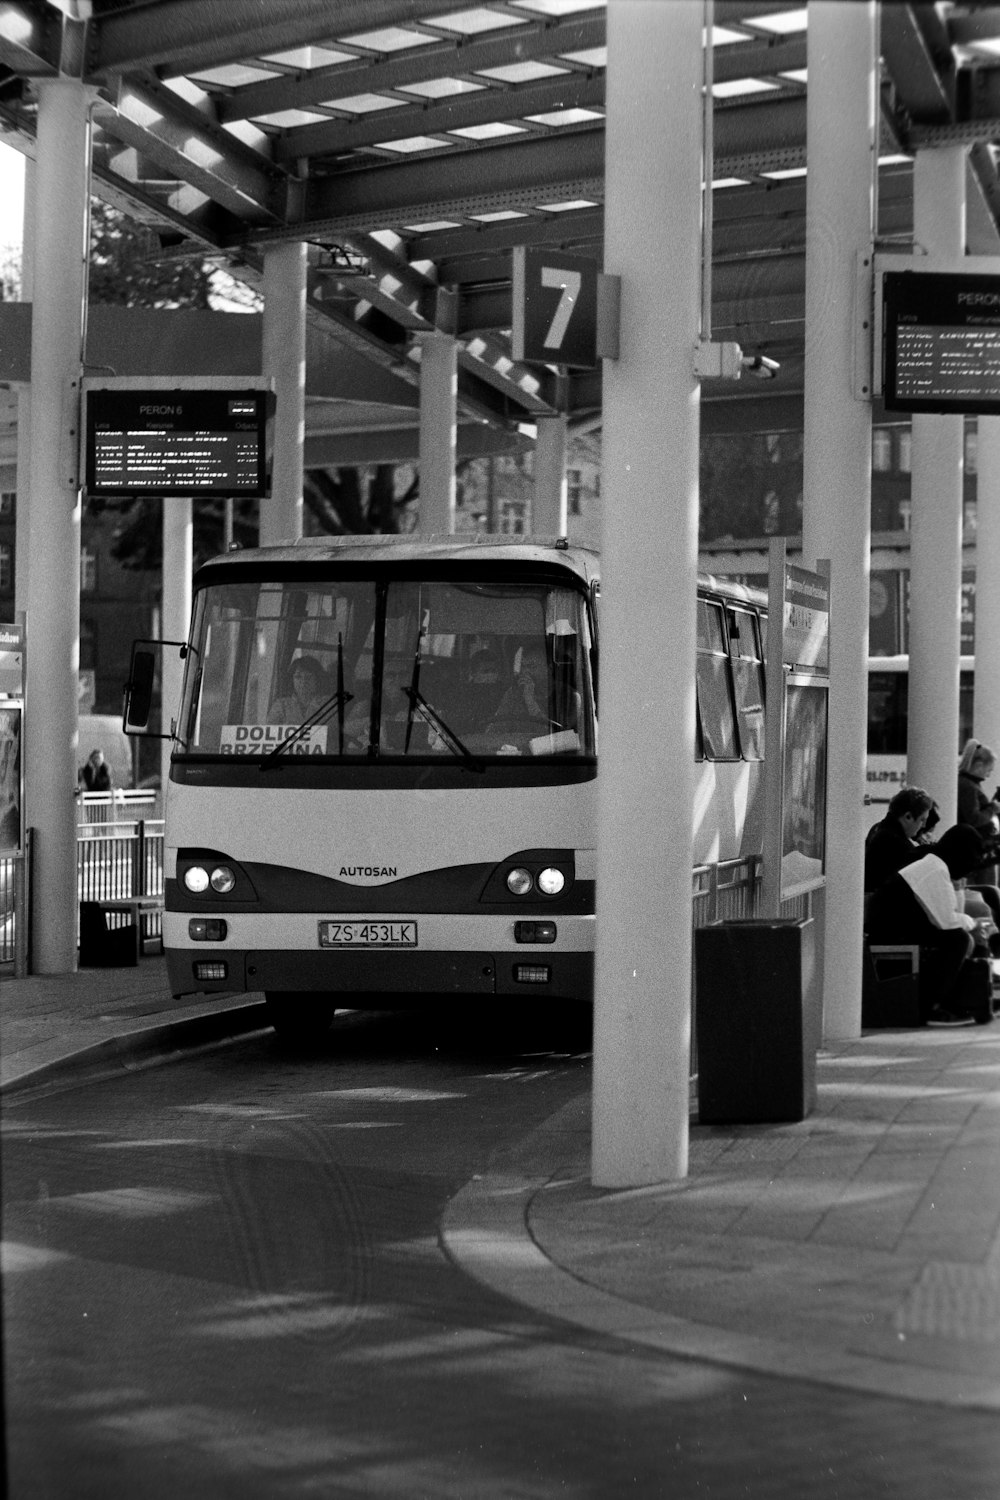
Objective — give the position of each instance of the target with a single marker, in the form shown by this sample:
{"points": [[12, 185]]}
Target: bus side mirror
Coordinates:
{"points": [[139, 689]]}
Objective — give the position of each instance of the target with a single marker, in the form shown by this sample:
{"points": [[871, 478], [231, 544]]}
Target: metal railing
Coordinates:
{"points": [[114, 861]]}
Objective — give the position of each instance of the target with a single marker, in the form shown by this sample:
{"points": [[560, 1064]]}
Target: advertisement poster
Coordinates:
{"points": [[803, 835], [10, 778]]}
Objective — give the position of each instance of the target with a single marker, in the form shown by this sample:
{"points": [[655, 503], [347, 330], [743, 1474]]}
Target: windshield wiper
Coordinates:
{"points": [[431, 717], [337, 700]]}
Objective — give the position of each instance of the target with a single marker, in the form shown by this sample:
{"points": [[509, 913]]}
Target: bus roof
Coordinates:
{"points": [[463, 547], [583, 561]]}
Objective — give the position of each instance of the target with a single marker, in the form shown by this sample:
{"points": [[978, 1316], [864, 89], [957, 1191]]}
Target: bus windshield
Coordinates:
{"points": [[388, 668]]}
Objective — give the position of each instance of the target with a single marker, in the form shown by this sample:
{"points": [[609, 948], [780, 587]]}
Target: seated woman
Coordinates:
{"points": [[919, 904], [306, 695]]}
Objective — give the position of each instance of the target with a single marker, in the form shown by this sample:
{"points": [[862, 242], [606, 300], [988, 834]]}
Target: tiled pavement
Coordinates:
{"points": [[858, 1248]]}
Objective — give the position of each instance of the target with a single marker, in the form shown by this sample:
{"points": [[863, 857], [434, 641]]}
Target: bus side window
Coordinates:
{"points": [[716, 709], [748, 682]]}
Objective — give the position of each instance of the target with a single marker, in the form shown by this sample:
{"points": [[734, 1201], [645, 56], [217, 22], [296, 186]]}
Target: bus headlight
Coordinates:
{"points": [[196, 879], [551, 881], [519, 882], [222, 879]]}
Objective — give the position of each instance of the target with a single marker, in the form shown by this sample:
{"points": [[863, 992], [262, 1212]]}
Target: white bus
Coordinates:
{"points": [[423, 825], [888, 694]]}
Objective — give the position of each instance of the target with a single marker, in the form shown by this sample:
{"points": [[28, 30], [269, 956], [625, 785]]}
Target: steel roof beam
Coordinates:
{"points": [[30, 42], [186, 145], [468, 54], [333, 137], [918, 56], [177, 36]]}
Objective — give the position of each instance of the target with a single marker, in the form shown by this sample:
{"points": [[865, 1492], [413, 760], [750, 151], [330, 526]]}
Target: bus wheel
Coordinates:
{"points": [[298, 1016]]}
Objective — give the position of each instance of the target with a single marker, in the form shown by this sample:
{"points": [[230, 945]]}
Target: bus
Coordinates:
{"points": [[423, 824], [888, 679]]}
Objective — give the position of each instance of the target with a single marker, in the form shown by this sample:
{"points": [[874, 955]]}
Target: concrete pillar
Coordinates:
{"points": [[936, 519], [549, 513], [23, 480], [178, 558], [836, 521], [284, 360], [642, 1015], [53, 593], [986, 709], [438, 433]]}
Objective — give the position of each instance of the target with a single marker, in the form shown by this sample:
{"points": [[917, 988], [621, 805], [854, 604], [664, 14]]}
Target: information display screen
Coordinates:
{"points": [[941, 342], [176, 442]]}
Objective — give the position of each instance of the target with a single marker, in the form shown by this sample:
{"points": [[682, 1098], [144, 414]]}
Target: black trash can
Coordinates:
{"points": [[757, 1020]]}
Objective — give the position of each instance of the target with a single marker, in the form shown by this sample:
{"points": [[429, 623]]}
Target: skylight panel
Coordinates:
{"points": [[588, 57], [487, 132], [286, 119], [565, 117], [441, 88], [364, 104], [723, 37], [522, 72], [782, 174], [471, 22], [796, 75], [413, 143], [728, 182], [567, 206], [389, 39], [782, 22], [234, 75], [434, 227], [307, 59], [498, 215], [733, 88], [558, 7]]}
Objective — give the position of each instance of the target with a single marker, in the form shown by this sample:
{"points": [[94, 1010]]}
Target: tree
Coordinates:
{"points": [[127, 267], [349, 501]]}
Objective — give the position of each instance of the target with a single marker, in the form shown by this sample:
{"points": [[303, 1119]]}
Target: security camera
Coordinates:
{"points": [[760, 366]]}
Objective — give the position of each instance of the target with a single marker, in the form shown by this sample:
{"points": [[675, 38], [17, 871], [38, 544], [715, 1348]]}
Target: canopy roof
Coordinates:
{"points": [[413, 143]]}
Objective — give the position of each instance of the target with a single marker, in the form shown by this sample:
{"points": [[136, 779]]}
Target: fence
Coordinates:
{"points": [[114, 860]]}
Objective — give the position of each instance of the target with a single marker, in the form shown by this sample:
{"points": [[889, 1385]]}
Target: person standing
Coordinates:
{"points": [[975, 808], [95, 773]]}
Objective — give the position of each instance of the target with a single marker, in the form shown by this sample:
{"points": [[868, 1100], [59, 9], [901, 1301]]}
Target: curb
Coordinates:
{"points": [[147, 1047], [485, 1231]]}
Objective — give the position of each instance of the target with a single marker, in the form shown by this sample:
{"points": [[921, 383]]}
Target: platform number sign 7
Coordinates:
{"points": [[554, 308]]}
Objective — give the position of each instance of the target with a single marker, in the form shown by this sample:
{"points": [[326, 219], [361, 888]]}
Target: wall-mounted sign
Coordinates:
{"points": [[554, 308], [181, 438], [937, 344], [12, 661]]}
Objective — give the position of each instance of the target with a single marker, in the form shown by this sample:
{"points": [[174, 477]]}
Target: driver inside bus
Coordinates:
{"points": [[306, 696]]}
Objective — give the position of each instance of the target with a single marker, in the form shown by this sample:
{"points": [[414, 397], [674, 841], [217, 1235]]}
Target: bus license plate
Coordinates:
{"points": [[368, 934]]}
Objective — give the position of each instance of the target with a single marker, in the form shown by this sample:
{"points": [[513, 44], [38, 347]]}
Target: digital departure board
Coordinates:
{"points": [[183, 441], [941, 342]]}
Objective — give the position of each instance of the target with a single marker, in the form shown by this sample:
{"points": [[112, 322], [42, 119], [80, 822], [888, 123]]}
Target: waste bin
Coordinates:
{"points": [[757, 1020]]}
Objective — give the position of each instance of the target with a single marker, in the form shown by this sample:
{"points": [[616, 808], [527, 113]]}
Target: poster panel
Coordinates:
{"points": [[10, 778], [803, 833]]}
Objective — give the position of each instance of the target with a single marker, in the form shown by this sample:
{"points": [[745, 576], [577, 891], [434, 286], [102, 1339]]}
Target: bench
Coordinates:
{"points": [[105, 945]]}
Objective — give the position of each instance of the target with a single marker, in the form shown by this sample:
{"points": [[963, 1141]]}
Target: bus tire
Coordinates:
{"points": [[298, 1016]]}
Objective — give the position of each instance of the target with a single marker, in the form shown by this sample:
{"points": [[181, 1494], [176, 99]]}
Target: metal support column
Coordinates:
{"points": [[438, 433], [178, 554], [284, 360], [936, 519], [642, 1013], [62, 179], [836, 521], [549, 506], [986, 704]]}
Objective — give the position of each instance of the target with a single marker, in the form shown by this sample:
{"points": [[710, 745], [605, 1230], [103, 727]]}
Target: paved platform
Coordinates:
{"points": [[858, 1248]]}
